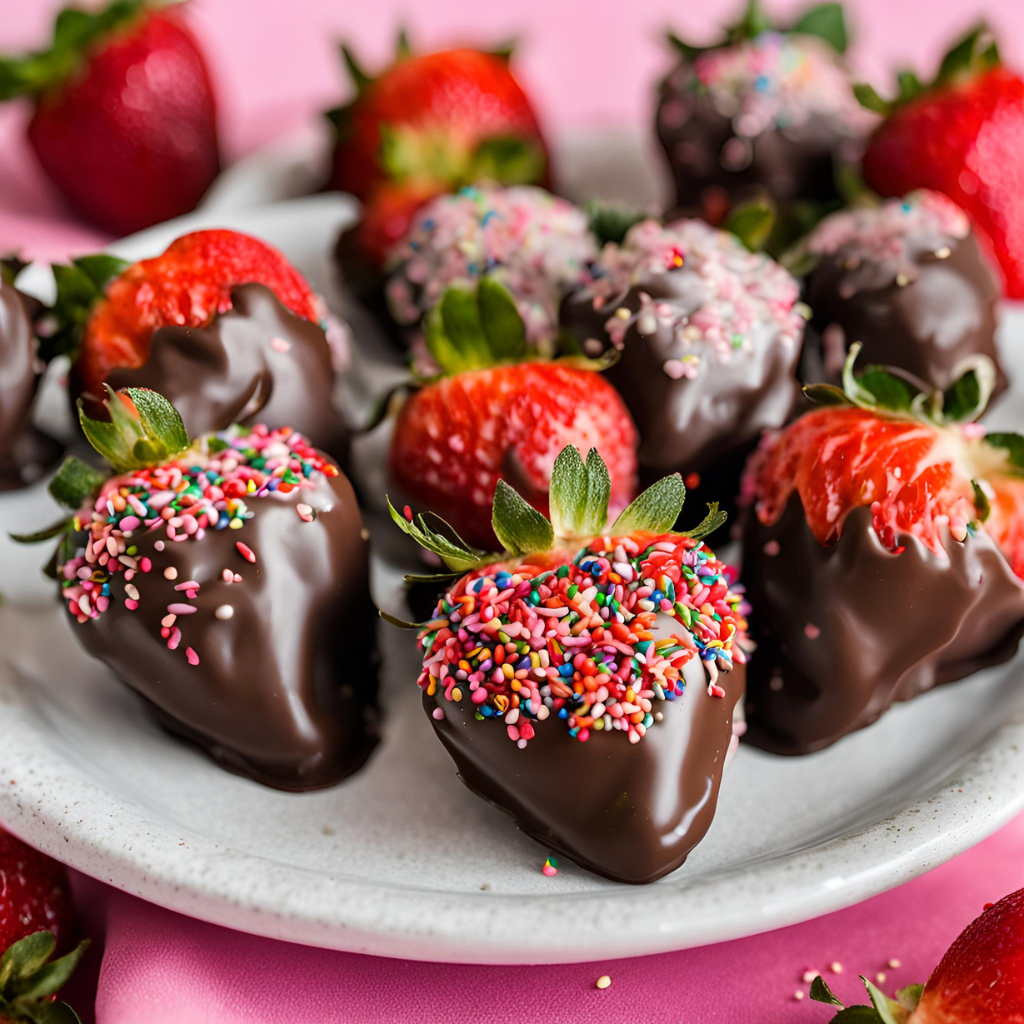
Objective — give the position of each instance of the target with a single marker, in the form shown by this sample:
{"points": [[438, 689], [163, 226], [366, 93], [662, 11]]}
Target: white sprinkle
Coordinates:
{"points": [[170, 573], [224, 612], [280, 345], [132, 591]]}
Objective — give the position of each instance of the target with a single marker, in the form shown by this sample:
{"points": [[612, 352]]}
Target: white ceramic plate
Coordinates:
{"points": [[402, 860]]}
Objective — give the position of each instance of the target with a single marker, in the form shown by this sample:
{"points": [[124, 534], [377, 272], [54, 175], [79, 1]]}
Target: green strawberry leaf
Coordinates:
{"points": [[579, 494], [820, 992], [54, 1013], [751, 25], [981, 502], [655, 510], [960, 58], [42, 535], [403, 48], [508, 160], [21, 960], [751, 223], [686, 50], [909, 86], [448, 546], [394, 620], [80, 285], [1013, 446], [886, 390], [910, 996], [868, 98], [360, 79], [826, 394], [857, 1015], [51, 977], [827, 22], [501, 322], [609, 222], [475, 328], [969, 396], [128, 442], [714, 520], [519, 527], [888, 1009], [75, 483]]}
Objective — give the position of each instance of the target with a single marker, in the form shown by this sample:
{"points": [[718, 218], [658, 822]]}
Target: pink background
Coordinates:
{"points": [[276, 65]]}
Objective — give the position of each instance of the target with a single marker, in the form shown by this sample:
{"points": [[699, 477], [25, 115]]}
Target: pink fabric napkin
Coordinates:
{"points": [[157, 966]]}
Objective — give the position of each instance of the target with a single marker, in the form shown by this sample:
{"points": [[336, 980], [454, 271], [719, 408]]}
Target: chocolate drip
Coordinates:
{"points": [[256, 363], [628, 811], [942, 311], [285, 688], [687, 425], [25, 453], [845, 631]]}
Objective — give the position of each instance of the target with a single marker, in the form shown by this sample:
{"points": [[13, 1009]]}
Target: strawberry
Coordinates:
{"points": [[963, 135], [33, 894], [493, 418], [429, 124], [610, 653], [979, 980], [110, 310], [124, 121], [869, 557], [211, 576]]}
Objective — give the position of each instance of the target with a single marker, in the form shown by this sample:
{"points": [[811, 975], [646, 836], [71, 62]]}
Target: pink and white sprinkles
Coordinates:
{"points": [[209, 487], [726, 302], [534, 243], [575, 638], [771, 81], [882, 232]]}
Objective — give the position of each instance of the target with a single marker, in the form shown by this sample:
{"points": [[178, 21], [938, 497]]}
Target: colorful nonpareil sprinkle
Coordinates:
{"points": [[534, 243], [719, 301], [772, 81], [574, 638], [217, 484]]}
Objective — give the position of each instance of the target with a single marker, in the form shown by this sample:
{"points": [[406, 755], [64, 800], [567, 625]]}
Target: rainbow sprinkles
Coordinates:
{"points": [[576, 639]]}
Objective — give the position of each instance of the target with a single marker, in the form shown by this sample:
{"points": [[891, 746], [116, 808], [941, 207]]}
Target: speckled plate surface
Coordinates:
{"points": [[402, 860]]}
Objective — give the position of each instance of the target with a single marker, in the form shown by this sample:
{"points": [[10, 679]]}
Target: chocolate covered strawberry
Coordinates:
{"points": [[611, 653], [25, 453], [36, 920], [124, 117], [221, 322], [495, 417], [225, 579], [868, 556], [429, 124], [961, 134], [979, 980]]}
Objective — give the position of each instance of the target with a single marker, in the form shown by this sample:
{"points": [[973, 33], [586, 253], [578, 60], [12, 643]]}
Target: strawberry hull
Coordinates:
{"points": [[631, 812], [255, 362], [846, 630]]}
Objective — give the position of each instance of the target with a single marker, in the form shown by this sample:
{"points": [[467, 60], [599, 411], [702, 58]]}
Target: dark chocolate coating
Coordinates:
{"points": [[944, 314], [285, 689], [686, 425], [230, 372], [891, 625], [628, 811], [786, 164], [24, 452]]}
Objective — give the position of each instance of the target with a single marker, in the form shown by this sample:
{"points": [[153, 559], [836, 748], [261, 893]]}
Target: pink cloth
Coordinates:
{"points": [[160, 966], [153, 965]]}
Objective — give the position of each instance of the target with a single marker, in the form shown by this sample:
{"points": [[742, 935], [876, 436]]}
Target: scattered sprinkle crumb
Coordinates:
{"points": [[895, 963], [798, 994], [811, 631], [836, 967], [328, 830], [603, 982], [551, 869], [809, 976], [880, 977]]}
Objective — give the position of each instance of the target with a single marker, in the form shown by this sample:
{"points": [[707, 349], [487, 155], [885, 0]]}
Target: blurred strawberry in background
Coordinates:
{"points": [[961, 134], [124, 117], [430, 124]]}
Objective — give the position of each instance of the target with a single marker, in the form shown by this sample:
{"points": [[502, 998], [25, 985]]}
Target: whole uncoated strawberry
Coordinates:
{"points": [[124, 121], [962, 135]]}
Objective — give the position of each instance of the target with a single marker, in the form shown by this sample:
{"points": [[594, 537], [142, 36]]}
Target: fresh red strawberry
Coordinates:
{"points": [[33, 894], [962, 135], [431, 124], [187, 285], [979, 980], [386, 218], [498, 416], [124, 121]]}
